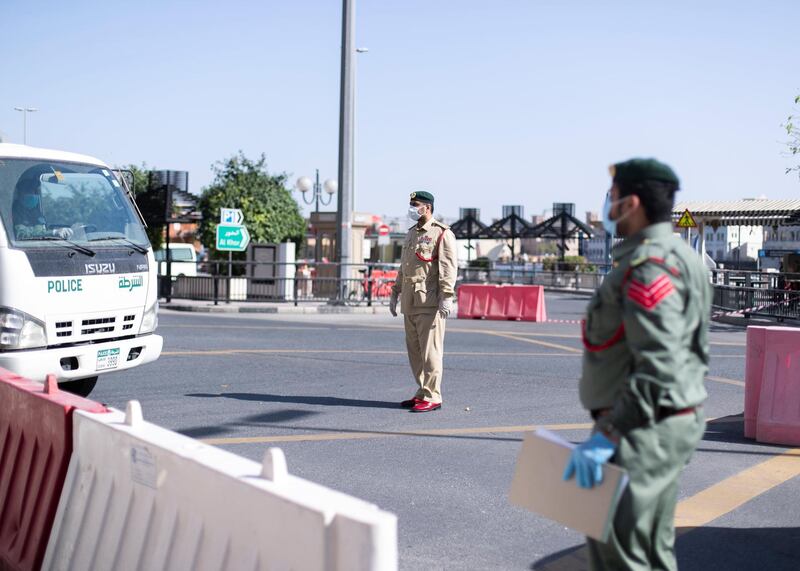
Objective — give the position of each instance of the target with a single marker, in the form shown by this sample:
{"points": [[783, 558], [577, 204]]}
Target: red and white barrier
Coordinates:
{"points": [[772, 385], [501, 302], [138, 496], [753, 375], [35, 449]]}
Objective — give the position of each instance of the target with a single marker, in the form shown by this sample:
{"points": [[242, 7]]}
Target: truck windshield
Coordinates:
{"points": [[79, 202]]}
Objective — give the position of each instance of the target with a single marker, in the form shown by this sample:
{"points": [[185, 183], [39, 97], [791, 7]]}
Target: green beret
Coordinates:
{"points": [[422, 196], [640, 170]]}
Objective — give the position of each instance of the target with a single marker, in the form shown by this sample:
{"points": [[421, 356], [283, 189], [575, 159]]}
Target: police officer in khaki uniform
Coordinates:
{"points": [[426, 287], [646, 354]]}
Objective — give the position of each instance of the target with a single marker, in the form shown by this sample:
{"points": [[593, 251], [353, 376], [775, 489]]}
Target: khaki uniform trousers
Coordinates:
{"points": [[425, 344], [643, 536]]}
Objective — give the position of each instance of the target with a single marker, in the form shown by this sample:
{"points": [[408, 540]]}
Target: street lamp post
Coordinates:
{"points": [[25, 111], [344, 219], [304, 185]]}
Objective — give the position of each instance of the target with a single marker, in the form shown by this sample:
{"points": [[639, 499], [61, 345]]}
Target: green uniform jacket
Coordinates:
{"points": [[428, 268], [646, 332]]}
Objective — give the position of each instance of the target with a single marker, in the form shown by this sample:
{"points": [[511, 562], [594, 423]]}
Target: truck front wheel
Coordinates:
{"points": [[80, 387]]}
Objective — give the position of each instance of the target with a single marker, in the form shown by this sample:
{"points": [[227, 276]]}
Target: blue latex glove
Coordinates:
{"points": [[587, 460]]}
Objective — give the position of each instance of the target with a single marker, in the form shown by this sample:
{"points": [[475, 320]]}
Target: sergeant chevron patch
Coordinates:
{"points": [[649, 296]]}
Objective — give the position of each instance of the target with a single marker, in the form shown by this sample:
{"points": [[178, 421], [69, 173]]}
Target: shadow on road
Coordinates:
{"points": [[702, 548], [254, 420], [296, 399], [730, 430]]}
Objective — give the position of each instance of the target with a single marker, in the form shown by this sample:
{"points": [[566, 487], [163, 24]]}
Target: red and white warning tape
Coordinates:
{"points": [[752, 309], [726, 313]]}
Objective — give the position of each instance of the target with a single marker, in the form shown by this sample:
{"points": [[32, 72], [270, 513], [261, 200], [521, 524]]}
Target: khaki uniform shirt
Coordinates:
{"points": [[428, 268], [646, 332]]}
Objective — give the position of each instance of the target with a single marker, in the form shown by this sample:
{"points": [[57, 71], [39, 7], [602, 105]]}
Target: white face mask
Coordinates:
{"points": [[413, 213]]}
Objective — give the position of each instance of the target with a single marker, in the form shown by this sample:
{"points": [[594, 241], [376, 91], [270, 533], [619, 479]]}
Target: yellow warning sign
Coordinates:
{"points": [[687, 221]]}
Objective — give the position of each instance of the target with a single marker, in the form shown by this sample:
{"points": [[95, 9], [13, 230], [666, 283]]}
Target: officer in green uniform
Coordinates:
{"points": [[646, 354]]}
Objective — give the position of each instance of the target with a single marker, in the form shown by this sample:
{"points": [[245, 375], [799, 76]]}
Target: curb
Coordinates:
{"points": [[761, 321], [288, 309]]}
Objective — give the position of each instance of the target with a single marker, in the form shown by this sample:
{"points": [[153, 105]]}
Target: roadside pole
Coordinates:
{"points": [[344, 215], [232, 236]]}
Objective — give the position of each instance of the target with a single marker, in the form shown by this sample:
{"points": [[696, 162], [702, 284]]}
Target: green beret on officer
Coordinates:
{"points": [[422, 196], [635, 171]]}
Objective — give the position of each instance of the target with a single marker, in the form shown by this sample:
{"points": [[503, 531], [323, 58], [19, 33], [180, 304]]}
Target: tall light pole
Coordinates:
{"points": [[344, 217], [355, 122], [25, 111]]}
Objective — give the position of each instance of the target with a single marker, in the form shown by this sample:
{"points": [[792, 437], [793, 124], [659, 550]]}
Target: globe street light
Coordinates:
{"points": [[25, 111], [305, 185]]}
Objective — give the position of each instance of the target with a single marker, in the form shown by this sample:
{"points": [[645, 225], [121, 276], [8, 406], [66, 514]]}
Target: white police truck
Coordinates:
{"points": [[78, 285]]}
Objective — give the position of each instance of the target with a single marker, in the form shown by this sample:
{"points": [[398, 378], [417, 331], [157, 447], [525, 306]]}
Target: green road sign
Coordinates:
{"points": [[232, 238]]}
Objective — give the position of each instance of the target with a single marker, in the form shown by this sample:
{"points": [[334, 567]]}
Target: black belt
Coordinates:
{"points": [[661, 413]]}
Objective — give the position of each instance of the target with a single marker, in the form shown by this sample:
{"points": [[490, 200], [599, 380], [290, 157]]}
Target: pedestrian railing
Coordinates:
{"points": [[371, 283], [780, 304], [362, 284], [570, 280]]}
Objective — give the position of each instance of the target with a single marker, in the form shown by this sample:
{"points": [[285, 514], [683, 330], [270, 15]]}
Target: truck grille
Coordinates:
{"points": [[94, 327], [63, 329], [102, 325]]}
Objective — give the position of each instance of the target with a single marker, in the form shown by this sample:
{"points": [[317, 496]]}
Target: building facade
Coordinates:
{"points": [[731, 246]]}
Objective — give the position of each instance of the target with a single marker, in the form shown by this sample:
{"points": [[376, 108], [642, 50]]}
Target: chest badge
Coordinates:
{"points": [[648, 296]]}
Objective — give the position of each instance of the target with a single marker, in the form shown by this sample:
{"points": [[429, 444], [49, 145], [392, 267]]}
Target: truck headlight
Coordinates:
{"points": [[149, 319], [18, 330]]}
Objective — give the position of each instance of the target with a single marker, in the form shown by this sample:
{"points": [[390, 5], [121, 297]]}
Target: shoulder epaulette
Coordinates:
{"points": [[652, 253]]}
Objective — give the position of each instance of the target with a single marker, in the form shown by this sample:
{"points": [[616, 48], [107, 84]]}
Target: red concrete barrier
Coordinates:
{"points": [[35, 448], [472, 299], [527, 303], [778, 420], [522, 303], [753, 376], [496, 305]]}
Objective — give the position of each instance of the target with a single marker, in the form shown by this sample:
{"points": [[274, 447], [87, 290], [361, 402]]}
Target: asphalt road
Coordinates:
{"points": [[325, 388]]}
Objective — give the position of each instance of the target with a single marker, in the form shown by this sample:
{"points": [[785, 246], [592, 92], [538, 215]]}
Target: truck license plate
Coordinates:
{"points": [[107, 359]]}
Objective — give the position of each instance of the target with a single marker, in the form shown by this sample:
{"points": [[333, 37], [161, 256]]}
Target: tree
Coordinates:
{"points": [[793, 131], [150, 202], [270, 213]]}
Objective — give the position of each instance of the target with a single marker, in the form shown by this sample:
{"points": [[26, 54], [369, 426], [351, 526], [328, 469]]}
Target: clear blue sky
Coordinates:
{"points": [[482, 103]]}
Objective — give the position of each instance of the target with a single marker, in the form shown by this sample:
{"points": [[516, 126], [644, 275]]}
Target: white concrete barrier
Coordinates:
{"points": [[138, 496]]}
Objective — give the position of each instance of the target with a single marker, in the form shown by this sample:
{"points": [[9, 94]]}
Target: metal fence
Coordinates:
{"points": [[571, 280], [747, 293], [222, 281], [773, 303]]}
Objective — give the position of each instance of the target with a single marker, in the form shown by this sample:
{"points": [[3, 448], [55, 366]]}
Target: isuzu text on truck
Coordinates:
{"points": [[78, 291]]}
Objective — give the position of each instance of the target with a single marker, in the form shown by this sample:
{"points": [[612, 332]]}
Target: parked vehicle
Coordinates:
{"points": [[184, 260], [77, 276]]}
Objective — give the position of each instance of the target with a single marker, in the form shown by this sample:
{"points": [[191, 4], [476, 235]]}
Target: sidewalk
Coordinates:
{"points": [[270, 307]]}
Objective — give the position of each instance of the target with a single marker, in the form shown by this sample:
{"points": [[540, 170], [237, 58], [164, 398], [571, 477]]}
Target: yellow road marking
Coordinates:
{"points": [[733, 492], [726, 381], [264, 327], [572, 353], [709, 504], [452, 329], [213, 352], [535, 342], [275, 351], [316, 437]]}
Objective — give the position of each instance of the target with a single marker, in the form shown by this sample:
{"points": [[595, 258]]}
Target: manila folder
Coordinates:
{"points": [[539, 487]]}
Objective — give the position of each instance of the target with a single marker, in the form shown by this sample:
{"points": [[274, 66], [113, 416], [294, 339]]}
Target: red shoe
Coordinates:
{"points": [[410, 403], [425, 406]]}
